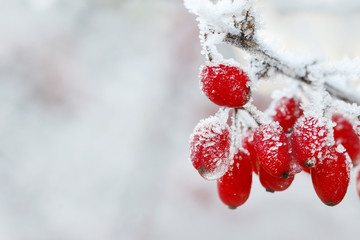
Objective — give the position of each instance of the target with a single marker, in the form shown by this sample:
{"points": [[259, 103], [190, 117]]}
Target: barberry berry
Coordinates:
{"points": [[210, 147], [331, 175], [345, 135], [234, 187], [225, 85], [307, 140], [272, 183], [273, 149], [249, 145], [287, 111]]}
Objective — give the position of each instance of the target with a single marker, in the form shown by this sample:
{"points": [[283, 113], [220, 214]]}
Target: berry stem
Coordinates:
{"points": [[235, 128], [207, 49], [253, 112]]}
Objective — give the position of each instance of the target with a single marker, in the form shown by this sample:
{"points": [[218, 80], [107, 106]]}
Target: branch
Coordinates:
{"points": [[269, 61]]}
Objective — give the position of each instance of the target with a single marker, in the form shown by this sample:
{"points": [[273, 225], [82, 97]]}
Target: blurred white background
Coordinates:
{"points": [[97, 102]]}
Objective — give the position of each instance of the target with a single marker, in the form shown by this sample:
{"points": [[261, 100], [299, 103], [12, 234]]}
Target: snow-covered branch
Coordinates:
{"points": [[235, 23]]}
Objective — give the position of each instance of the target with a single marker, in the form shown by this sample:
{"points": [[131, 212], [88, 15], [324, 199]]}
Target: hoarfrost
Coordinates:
{"points": [[217, 173], [340, 148], [210, 146]]}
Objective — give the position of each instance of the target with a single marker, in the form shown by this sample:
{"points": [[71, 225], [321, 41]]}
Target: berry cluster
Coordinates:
{"points": [[311, 126], [287, 141]]}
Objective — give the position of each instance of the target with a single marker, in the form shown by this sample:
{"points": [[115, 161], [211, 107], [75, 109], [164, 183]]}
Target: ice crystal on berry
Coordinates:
{"points": [[275, 158], [210, 147]]}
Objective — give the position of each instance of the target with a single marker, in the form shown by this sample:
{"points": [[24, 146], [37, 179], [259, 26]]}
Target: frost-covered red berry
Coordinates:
{"points": [[331, 176], [234, 187], [272, 183], [225, 85], [345, 135], [273, 149], [309, 137], [249, 145], [287, 111], [210, 147]]}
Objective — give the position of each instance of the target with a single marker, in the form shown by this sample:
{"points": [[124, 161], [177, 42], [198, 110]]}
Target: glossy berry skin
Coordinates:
{"points": [[345, 135], [225, 85], [249, 145], [272, 183], [210, 148], [331, 176], [287, 111], [273, 149], [308, 139], [234, 187]]}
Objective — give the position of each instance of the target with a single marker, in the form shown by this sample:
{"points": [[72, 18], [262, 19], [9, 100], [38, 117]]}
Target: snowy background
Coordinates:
{"points": [[97, 102]]}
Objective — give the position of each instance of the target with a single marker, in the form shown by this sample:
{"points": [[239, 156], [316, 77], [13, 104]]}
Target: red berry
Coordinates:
{"points": [[273, 149], [225, 85], [358, 183], [249, 145], [287, 111], [307, 140], [234, 187], [210, 147], [345, 135], [272, 183], [331, 176]]}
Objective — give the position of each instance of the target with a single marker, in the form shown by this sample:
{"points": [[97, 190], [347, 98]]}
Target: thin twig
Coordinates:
{"points": [[280, 67], [254, 113]]}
